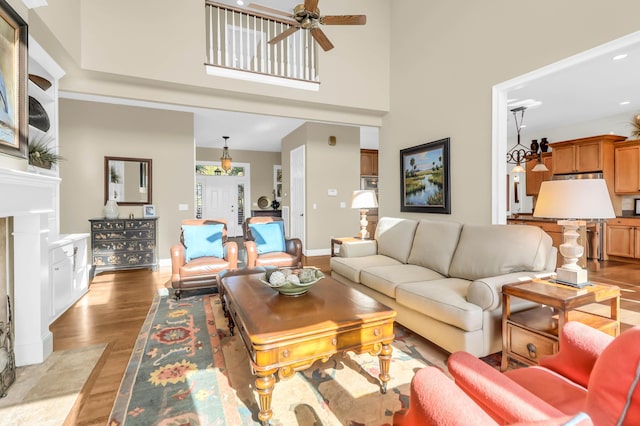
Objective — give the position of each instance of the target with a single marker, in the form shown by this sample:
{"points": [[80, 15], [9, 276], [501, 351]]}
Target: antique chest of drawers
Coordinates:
{"points": [[123, 244]]}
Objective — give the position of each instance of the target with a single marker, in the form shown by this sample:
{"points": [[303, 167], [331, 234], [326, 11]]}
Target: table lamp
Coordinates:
{"points": [[364, 200], [572, 201]]}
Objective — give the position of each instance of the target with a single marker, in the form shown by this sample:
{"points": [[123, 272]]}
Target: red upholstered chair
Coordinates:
{"points": [[201, 254], [266, 245], [592, 373]]}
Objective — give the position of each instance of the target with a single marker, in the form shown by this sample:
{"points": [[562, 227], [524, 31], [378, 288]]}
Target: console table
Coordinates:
{"points": [[123, 244]]}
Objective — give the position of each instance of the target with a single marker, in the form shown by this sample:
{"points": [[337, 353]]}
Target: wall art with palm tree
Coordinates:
{"points": [[425, 172]]}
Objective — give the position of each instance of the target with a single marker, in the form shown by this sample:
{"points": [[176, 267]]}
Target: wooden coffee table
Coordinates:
{"points": [[285, 334]]}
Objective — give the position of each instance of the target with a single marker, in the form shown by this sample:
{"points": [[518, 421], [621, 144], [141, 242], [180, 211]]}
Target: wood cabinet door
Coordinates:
{"points": [[535, 179], [563, 159], [620, 240], [589, 157], [627, 170], [368, 162]]}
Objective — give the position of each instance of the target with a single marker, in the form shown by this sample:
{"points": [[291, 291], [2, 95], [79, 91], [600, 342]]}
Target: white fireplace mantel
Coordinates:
{"points": [[30, 199]]}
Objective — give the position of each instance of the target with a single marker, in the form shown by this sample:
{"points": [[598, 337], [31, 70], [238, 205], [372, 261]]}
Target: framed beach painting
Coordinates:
{"points": [[425, 177], [13, 82]]}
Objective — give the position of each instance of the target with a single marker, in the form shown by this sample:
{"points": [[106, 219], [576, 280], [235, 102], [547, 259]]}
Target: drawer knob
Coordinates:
{"points": [[532, 350], [376, 331], [285, 353]]}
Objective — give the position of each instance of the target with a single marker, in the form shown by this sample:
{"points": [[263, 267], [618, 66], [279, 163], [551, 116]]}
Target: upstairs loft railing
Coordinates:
{"points": [[238, 47]]}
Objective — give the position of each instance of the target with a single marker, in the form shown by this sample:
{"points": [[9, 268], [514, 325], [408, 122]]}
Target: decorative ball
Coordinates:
{"points": [[277, 278], [293, 279]]}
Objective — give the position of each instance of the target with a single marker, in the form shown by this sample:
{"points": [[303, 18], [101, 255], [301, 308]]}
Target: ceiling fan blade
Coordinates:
{"points": [[344, 20], [310, 5], [269, 10], [286, 33], [321, 38]]}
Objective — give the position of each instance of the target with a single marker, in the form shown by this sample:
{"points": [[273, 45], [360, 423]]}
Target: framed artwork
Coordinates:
{"points": [[13, 82], [148, 210], [425, 177]]}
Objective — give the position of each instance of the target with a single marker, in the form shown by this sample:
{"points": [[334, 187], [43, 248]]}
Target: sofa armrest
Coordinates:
{"points": [[498, 395], [436, 400], [177, 261], [359, 248], [231, 254], [251, 253], [580, 347], [487, 292]]}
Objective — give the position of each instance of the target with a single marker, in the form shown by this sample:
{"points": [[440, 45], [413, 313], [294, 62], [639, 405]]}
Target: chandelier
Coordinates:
{"points": [[225, 160], [519, 154]]}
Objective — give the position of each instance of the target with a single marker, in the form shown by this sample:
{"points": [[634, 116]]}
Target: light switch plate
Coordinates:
{"points": [[332, 192]]}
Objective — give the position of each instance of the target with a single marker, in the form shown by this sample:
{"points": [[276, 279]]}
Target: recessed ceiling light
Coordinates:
{"points": [[240, 3], [618, 57], [625, 103]]}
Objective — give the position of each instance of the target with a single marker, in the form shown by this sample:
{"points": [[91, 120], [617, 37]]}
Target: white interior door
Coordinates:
{"points": [[222, 199], [297, 222]]}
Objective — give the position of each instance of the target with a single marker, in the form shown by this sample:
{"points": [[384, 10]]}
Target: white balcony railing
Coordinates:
{"points": [[238, 46]]}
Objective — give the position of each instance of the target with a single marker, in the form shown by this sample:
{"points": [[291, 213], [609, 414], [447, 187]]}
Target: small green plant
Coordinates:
{"points": [[41, 154]]}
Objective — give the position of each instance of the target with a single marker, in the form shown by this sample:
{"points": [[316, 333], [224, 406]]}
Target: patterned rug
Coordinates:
{"points": [[187, 370]]}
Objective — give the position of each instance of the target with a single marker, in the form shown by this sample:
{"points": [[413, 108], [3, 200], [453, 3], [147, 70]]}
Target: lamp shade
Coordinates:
{"points": [[364, 199], [574, 199]]}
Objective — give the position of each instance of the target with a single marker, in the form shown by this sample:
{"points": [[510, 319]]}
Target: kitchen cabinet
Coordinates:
{"points": [[627, 167], [535, 179], [593, 154], [369, 162], [623, 238]]}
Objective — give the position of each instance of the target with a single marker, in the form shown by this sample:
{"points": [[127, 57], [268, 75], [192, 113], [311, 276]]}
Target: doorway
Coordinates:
{"points": [[224, 197]]}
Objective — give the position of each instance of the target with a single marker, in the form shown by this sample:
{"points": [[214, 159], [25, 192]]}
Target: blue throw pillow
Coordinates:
{"points": [[202, 240], [269, 237]]}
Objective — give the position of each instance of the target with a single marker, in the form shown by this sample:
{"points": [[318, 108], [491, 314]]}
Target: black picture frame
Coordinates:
{"points": [[14, 125], [425, 173]]}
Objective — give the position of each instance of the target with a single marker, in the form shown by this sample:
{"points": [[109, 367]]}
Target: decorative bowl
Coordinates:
{"points": [[293, 281]]}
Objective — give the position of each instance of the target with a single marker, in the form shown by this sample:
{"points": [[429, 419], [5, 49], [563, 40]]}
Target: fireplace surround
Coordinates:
{"points": [[30, 200]]}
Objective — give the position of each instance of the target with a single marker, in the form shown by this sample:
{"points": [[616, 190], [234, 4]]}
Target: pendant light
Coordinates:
{"points": [[225, 160]]}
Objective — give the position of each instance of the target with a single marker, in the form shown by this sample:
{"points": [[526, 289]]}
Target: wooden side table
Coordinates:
{"points": [[338, 242], [531, 334]]}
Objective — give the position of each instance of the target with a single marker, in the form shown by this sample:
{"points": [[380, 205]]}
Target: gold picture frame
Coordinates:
{"points": [[14, 125]]}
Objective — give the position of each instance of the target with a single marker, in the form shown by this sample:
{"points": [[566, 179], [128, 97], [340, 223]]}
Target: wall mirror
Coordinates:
{"points": [[127, 180]]}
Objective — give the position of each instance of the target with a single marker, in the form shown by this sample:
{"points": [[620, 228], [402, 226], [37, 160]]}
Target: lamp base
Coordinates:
{"points": [[572, 276]]}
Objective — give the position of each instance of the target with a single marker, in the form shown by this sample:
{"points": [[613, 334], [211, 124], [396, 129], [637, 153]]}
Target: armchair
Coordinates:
{"points": [[265, 244], [593, 378], [203, 252]]}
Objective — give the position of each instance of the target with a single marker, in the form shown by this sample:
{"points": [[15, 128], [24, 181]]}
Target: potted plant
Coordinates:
{"points": [[41, 154]]}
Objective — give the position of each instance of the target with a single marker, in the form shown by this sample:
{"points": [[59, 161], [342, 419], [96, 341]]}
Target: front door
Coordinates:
{"points": [[223, 198]]}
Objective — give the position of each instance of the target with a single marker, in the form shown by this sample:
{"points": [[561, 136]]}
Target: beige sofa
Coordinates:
{"points": [[443, 278]]}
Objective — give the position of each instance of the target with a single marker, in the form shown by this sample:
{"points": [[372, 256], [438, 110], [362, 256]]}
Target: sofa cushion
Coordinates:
{"points": [[444, 300], [434, 244], [385, 279], [395, 237], [202, 240], [490, 250], [350, 267]]}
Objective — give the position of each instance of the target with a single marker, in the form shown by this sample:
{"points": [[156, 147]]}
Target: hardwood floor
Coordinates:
{"points": [[117, 304]]}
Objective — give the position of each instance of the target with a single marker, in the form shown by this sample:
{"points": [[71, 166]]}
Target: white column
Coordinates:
{"points": [[32, 298]]}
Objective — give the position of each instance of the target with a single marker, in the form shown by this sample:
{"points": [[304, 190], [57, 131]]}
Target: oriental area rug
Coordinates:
{"points": [[186, 369]]}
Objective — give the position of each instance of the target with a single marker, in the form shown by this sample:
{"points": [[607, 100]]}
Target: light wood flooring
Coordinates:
{"points": [[117, 304]]}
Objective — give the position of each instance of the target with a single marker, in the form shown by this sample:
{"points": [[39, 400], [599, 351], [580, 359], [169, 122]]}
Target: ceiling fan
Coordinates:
{"points": [[307, 16]]}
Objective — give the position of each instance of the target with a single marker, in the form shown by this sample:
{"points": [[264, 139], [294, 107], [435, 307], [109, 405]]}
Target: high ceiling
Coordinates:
{"points": [[586, 91]]}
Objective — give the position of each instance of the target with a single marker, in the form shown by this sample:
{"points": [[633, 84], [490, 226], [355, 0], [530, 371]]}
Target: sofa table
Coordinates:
{"points": [[528, 335], [285, 334]]}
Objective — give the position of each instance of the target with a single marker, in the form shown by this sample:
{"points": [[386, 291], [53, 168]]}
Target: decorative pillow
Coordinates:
{"points": [[203, 240], [269, 237]]}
